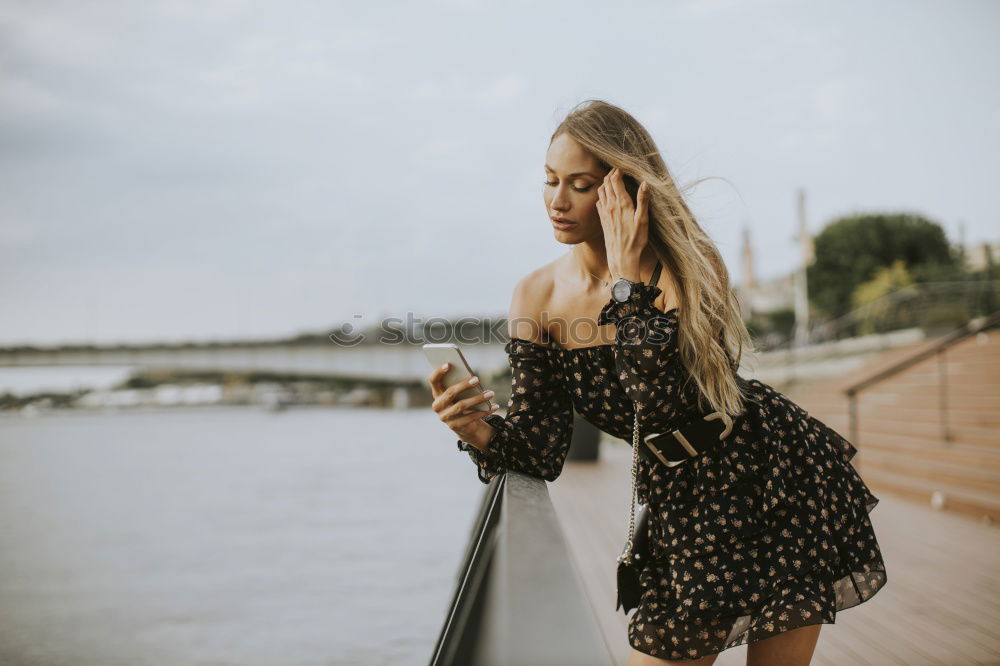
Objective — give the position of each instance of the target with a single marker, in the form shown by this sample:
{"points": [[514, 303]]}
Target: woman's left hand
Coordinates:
{"points": [[626, 226]]}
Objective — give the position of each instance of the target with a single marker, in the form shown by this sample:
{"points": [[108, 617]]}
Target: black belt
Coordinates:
{"points": [[689, 441]]}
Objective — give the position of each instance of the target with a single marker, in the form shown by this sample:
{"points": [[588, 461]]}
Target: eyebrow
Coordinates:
{"points": [[572, 175]]}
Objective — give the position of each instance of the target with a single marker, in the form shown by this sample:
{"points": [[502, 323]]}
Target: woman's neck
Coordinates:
{"points": [[591, 259]]}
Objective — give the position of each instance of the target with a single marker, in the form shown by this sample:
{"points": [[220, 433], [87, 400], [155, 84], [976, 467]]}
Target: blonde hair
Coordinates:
{"points": [[712, 335]]}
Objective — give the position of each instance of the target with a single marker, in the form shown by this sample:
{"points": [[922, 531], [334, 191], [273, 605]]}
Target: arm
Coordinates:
{"points": [[646, 338], [534, 437]]}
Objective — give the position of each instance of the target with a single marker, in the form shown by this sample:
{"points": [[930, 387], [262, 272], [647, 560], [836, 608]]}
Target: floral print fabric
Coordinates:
{"points": [[765, 533]]}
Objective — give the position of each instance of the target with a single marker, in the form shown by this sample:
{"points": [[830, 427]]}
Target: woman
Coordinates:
{"points": [[765, 536]]}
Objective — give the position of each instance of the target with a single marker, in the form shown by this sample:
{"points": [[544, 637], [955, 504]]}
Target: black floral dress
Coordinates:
{"points": [[767, 532]]}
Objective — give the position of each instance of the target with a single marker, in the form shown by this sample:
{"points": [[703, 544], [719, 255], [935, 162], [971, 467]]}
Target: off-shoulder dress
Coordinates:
{"points": [[768, 532]]}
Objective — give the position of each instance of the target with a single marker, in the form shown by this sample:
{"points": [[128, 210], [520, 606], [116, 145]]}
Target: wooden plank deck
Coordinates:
{"points": [[941, 604]]}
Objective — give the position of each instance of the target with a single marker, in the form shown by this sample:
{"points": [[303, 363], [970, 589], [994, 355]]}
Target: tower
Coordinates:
{"points": [[805, 242]]}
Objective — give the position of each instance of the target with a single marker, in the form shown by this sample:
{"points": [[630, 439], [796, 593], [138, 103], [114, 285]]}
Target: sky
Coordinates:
{"points": [[181, 170]]}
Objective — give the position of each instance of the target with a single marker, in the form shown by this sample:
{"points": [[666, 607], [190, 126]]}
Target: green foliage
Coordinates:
{"points": [[877, 311], [46, 398], [887, 279], [851, 249]]}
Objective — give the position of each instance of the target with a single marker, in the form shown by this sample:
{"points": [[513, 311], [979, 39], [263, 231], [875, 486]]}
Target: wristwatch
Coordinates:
{"points": [[623, 289]]}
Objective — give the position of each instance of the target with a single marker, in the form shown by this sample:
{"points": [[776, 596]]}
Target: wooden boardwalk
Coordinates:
{"points": [[940, 605]]}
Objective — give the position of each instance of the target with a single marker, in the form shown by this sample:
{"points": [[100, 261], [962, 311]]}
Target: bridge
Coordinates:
{"points": [[402, 363], [405, 363]]}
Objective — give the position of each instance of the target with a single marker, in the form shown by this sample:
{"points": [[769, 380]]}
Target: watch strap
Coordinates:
{"points": [[653, 279]]}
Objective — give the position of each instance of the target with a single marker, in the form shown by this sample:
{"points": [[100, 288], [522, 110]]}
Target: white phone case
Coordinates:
{"points": [[458, 370]]}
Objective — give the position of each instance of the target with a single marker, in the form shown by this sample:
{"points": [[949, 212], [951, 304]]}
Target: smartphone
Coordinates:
{"points": [[458, 371]]}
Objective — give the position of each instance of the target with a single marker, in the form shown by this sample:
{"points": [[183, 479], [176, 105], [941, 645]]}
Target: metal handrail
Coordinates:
{"points": [[943, 291], [518, 598], [972, 327]]}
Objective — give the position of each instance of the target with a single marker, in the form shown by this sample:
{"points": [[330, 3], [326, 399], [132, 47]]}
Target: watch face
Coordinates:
{"points": [[621, 290]]}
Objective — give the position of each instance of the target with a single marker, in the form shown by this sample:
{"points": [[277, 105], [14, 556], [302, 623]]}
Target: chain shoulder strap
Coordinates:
{"points": [[627, 555]]}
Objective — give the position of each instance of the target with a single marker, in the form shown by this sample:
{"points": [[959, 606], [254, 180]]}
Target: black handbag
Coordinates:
{"points": [[629, 589], [636, 551]]}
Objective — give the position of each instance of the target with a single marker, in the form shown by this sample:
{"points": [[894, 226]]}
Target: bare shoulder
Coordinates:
{"points": [[530, 299]]}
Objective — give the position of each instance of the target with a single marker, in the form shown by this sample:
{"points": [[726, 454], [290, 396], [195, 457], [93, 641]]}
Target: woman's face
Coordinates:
{"points": [[572, 176]]}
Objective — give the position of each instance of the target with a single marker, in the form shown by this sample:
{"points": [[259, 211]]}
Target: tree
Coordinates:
{"points": [[850, 250], [871, 298]]}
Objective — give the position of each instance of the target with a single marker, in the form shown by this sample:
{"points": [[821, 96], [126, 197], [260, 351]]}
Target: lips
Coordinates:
{"points": [[562, 223]]}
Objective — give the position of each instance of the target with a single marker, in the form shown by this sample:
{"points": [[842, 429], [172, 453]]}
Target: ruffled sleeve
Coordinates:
{"points": [[535, 435], [645, 339]]}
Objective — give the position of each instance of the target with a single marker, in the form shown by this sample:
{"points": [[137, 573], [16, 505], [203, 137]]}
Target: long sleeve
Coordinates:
{"points": [[646, 341], [534, 437]]}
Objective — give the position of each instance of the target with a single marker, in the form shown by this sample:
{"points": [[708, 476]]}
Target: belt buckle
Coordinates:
{"points": [[728, 423], [679, 436], [659, 454]]}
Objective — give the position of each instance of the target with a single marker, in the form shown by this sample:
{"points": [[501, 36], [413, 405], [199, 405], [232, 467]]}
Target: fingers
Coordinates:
{"points": [[606, 200], [460, 407], [642, 203], [445, 399], [468, 403], [607, 186], [455, 418], [612, 194], [462, 413], [618, 185], [460, 422], [436, 379]]}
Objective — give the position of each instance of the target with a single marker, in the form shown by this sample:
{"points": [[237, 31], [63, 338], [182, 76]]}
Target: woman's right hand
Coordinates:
{"points": [[460, 416]]}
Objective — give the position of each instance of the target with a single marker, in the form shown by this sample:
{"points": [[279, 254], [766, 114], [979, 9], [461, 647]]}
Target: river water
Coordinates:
{"points": [[229, 535]]}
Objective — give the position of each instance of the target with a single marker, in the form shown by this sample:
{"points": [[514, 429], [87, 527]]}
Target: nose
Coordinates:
{"points": [[559, 201]]}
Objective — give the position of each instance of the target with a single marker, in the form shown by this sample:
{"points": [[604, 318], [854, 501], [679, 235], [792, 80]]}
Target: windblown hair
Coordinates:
{"points": [[712, 333]]}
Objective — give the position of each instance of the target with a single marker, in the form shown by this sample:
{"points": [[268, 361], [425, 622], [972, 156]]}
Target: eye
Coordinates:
{"points": [[578, 189]]}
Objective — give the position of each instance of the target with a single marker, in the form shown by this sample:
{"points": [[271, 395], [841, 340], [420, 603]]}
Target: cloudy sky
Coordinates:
{"points": [[182, 169]]}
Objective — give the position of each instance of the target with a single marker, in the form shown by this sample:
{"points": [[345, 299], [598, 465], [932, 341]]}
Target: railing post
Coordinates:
{"points": [[973, 327], [943, 396], [852, 415]]}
